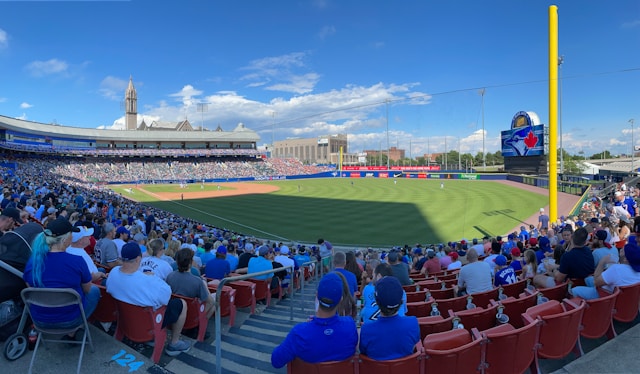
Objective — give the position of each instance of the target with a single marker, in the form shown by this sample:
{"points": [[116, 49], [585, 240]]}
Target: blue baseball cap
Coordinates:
{"points": [[330, 290]]}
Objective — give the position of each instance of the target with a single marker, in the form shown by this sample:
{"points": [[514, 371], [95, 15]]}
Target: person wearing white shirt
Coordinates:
{"points": [[79, 241], [154, 263]]}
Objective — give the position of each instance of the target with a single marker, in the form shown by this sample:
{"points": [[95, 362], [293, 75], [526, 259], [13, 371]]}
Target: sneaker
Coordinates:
{"points": [[175, 349], [150, 343]]}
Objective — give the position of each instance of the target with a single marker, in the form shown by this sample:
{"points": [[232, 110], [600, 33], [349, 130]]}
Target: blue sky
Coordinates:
{"points": [[309, 68]]}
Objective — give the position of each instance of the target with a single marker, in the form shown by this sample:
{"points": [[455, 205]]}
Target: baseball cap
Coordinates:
{"points": [[15, 196], [431, 253], [618, 193], [389, 292], [130, 251], [284, 250], [545, 244], [139, 236], [500, 260], [222, 250], [82, 233], [516, 252], [632, 253], [122, 230], [533, 241], [601, 235], [594, 220], [454, 256], [12, 213], [61, 226], [330, 290], [52, 210], [541, 210], [393, 256], [263, 250]]}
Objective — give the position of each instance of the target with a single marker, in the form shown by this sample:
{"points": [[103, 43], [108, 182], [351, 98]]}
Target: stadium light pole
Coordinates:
{"points": [[202, 107], [445, 154], [633, 146], [484, 158], [387, 108], [273, 131]]}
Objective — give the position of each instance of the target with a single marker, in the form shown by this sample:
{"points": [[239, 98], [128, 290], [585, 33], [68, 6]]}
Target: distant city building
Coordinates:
{"points": [[394, 153], [320, 150]]}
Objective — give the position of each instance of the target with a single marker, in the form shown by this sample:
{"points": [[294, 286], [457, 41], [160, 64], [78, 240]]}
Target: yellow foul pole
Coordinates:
{"points": [[553, 113]]}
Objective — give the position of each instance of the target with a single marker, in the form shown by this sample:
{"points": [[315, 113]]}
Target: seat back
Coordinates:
{"points": [[558, 292], [227, 302], [439, 294], [510, 350], [52, 298], [413, 297], [409, 287], [263, 290], [559, 332], [454, 303], [141, 324], [453, 352], [408, 364], [106, 309], [245, 294], [514, 307], [480, 318], [597, 319], [483, 299], [196, 315], [434, 324], [429, 284], [420, 308], [348, 366], [514, 289], [627, 303]]}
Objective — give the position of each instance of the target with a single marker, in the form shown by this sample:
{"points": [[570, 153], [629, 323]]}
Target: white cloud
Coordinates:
{"points": [[326, 31], [113, 88], [119, 123], [281, 73], [631, 24], [22, 117], [25, 105], [3, 99], [49, 67], [615, 142], [186, 95], [4, 39]]}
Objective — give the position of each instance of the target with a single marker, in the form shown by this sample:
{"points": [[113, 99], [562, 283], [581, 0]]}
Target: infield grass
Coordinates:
{"points": [[367, 212]]}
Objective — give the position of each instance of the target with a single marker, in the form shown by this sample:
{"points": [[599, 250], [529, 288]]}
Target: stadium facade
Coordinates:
{"points": [[179, 139]]}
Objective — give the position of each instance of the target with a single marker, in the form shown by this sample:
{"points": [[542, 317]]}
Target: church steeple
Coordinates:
{"points": [[131, 106]]}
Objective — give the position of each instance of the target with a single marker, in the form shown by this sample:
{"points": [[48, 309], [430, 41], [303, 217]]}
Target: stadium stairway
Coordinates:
{"points": [[247, 346]]}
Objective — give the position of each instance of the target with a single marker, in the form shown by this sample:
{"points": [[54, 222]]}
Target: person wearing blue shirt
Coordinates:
{"points": [[232, 258], [370, 310], [391, 336], [219, 267], [326, 337], [504, 274], [523, 235], [261, 263], [339, 262]]}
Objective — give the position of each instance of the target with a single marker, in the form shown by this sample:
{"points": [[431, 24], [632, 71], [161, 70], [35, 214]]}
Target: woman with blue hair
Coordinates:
{"points": [[50, 266]]}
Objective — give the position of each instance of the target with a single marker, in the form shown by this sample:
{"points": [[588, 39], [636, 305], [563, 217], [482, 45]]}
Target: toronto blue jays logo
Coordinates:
{"points": [[522, 140]]}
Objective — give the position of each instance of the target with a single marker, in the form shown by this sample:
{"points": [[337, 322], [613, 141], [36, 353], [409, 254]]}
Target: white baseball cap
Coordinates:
{"points": [[84, 232]]}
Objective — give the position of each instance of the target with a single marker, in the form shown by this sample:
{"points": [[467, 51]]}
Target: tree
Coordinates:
{"points": [[601, 155]]}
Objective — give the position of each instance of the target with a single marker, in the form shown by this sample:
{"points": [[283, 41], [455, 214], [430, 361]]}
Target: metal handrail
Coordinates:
{"points": [[218, 297]]}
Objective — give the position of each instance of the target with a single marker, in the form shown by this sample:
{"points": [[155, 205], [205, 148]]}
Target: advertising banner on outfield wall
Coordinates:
{"points": [[397, 168], [469, 176]]}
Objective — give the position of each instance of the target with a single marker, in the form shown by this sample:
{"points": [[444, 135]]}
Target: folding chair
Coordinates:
{"points": [[56, 298], [140, 325]]}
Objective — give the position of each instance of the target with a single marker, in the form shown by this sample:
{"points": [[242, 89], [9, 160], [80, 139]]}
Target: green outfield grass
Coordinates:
{"points": [[369, 212]]}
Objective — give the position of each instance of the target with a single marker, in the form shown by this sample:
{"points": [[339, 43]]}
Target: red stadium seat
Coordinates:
{"points": [[141, 325], [510, 350], [557, 293], [514, 289], [245, 294], [263, 290], [413, 297], [429, 284], [410, 288], [433, 324], [597, 319], [420, 308], [409, 364], [482, 299], [627, 303], [480, 318], [348, 366], [446, 293], [454, 303], [453, 352], [106, 310], [514, 307], [227, 303], [559, 329], [196, 315]]}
